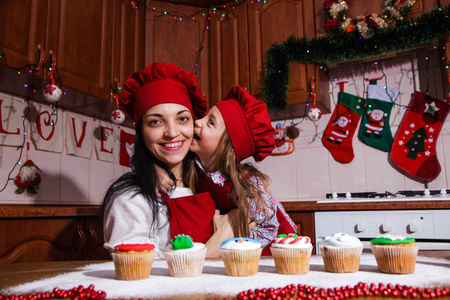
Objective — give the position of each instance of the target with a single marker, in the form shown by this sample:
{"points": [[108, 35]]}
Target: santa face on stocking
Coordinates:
{"points": [[341, 131], [376, 123]]}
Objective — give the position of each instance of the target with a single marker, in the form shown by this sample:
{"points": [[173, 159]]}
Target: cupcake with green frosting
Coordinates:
{"points": [[395, 254], [184, 257]]}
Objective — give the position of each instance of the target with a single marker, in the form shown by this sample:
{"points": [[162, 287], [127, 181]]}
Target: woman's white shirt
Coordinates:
{"points": [[128, 220]]}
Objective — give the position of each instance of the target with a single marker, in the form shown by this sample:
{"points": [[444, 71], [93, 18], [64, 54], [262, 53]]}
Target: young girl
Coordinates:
{"points": [[234, 129]]}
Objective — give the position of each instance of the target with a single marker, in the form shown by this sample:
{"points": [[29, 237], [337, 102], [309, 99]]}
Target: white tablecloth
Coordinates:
{"points": [[429, 273]]}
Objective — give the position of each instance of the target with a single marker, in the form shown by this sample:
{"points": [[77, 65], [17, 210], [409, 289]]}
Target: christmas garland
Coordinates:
{"points": [[395, 14], [342, 46]]}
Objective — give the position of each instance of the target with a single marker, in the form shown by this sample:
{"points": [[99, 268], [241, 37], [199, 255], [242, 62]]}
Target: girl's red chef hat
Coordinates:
{"points": [[162, 83], [248, 124]]}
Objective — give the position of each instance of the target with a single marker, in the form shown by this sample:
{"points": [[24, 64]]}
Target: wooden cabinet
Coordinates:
{"points": [[93, 42], [55, 238], [239, 44], [305, 225]]}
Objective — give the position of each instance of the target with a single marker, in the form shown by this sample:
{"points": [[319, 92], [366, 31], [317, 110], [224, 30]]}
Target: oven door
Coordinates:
{"points": [[430, 228]]}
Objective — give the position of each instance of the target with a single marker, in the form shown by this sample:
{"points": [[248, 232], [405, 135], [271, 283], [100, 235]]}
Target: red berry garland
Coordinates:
{"points": [[304, 292]]}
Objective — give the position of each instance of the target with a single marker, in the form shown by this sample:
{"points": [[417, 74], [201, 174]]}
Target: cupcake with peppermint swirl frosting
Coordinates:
{"points": [[184, 257], [395, 254], [341, 253], [291, 253]]}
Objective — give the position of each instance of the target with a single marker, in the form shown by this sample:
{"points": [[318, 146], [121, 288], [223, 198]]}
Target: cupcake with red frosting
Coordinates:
{"points": [[291, 253], [133, 261], [341, 253], [395, 254], [184, 257]]}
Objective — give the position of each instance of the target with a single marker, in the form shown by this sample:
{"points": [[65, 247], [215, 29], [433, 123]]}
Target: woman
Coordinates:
{"points": [[164, 102]]}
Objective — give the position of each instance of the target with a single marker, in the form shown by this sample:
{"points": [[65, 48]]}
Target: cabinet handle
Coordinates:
{"points": [[94, 240], [83, 241]]}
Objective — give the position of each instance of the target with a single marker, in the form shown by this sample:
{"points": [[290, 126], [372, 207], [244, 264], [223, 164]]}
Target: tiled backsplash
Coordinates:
{"points": [[311, 172], [307, 174]]}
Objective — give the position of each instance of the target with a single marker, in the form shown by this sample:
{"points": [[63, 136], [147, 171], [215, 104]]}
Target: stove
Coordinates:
{"points": [[421, 195], [430, 228]]}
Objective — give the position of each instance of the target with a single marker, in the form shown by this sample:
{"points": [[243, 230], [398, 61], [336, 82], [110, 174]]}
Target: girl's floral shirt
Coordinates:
{"points": [[264, 214]]}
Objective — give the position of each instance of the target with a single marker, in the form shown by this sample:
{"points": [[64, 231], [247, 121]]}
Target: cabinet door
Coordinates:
{"points": [[30, 240], [128, 40], [305, 224], [80, 33], [23, 28], [94, 250], [229, 52], [272, 23]]}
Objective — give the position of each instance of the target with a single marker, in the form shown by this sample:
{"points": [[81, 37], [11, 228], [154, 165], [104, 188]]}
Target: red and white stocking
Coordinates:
{"points": [[414, 146]]}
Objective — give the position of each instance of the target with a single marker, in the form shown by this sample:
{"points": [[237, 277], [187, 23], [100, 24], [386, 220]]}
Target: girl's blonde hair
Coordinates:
{"points": [[239, 174]]}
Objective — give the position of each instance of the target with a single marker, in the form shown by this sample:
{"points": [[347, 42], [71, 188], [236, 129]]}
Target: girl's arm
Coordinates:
{"points": [[165, 184], [264, 215]]}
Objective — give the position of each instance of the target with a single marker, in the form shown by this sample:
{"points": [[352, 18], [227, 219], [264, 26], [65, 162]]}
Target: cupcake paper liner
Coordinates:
{"points": [[291, 261], [133, 265], [341, 260], [396, 259], [185, 263], [241, 262]]}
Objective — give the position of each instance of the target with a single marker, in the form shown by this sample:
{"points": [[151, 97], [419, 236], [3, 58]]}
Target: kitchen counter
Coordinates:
{"points": [[41, 211], [369, 204], [46, 211], [20, 273]]}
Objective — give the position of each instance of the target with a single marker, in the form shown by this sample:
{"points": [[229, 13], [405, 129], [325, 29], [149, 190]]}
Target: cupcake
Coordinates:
{"points": [[395, 254], [184, 257], [241, 256], [133, 261], [291, 253], [341, 253]]}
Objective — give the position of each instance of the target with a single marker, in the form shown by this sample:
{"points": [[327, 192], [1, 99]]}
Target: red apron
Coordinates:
{"points": [[225, 204], [192, 215]]}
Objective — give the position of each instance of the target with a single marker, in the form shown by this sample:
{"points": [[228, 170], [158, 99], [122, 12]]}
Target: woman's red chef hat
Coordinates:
{"points": [[162, 83], [248, 124]]}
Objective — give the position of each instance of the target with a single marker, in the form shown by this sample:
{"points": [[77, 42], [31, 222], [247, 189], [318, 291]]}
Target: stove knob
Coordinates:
{"points": [[385, 228], [360, 227], [412, 227], [348, 195]]}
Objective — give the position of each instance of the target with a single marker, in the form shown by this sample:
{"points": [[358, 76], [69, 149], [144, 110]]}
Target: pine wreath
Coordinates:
{"points": [[394, 14], [401, 33]]}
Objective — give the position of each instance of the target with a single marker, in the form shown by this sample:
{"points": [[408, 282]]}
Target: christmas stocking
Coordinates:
{"points": [[338, 134], [375, 130], [414, 146]]}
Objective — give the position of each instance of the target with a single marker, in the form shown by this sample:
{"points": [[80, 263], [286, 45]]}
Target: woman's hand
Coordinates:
{"points": [[224, 228]]}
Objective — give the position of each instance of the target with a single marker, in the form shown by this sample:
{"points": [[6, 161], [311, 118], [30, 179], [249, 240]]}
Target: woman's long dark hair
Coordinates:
{"points": [[144, 177]]}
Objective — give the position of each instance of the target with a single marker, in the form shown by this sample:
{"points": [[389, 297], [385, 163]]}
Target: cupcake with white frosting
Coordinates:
{"points": [[184, 257], [395, 254], [291, 253], [341, 253], [241, 256]]}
